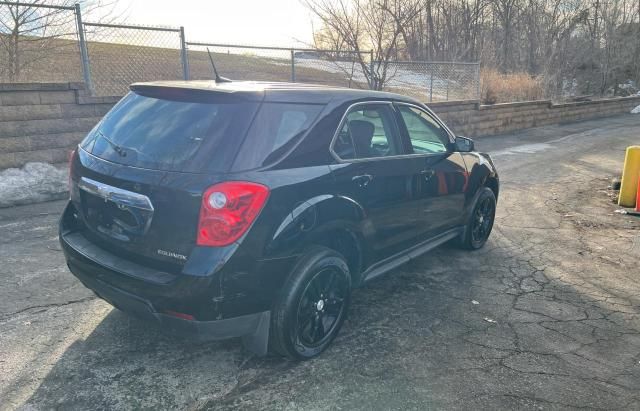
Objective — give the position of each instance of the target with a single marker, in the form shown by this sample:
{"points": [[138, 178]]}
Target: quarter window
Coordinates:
{"points": [[369, 131], [427, 136], [277, 127]]}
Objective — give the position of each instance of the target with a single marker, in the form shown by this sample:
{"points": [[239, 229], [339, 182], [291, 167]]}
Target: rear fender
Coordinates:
{"points": [[313, 219]]}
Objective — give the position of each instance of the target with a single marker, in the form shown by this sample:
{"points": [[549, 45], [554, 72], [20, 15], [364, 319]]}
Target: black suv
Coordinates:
{"points": [[245, 209]]}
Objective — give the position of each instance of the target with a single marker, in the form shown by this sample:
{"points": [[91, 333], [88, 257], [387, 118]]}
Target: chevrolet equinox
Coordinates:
{"points": [[252, 210]]}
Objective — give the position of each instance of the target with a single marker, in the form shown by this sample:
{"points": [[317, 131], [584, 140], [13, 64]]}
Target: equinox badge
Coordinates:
{"points": [[172, 255]]}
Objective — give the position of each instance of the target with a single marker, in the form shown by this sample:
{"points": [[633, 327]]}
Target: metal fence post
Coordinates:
{"points": [[183, 54], [431, 85], [84, 54], [293, 66], [478, 91], [448, 77]]}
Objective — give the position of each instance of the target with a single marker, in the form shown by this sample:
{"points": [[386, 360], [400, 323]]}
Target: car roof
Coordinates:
{"points": [[277, 91]]}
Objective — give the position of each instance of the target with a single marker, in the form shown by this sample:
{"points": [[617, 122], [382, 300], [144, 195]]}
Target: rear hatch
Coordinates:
{"points": [[139, 175]]}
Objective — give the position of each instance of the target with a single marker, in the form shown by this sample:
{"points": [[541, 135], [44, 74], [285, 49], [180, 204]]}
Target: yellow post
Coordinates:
{"points": [[630, 176]]}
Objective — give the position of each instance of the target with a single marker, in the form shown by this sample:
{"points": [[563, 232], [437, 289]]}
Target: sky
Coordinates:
{"points": [[282, 23]]}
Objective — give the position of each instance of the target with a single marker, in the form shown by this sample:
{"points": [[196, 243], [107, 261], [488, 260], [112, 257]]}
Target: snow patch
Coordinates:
{"points": [[523, 149], [399, 77], [636, 110], [33, 183]]}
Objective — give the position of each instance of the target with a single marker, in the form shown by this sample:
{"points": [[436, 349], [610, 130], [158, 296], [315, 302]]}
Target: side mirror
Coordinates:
{"points": [[464, 144]]}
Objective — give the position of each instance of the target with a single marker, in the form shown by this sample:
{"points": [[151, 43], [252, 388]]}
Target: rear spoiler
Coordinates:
{"points": [[196, 94]]}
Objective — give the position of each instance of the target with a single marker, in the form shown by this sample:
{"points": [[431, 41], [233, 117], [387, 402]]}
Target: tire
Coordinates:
{"points": [[480, 222], [312, 305]]}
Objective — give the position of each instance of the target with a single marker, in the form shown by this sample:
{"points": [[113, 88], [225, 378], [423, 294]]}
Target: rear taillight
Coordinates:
{"points": [[228, 210]]}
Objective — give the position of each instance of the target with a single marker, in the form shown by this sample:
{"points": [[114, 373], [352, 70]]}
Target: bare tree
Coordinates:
{"points": [[368, 25], [573, 46], [325, 38]]}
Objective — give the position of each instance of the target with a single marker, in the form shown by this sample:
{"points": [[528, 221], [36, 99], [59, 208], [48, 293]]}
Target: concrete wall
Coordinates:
{"points": [[43, 121], [468, 118]]}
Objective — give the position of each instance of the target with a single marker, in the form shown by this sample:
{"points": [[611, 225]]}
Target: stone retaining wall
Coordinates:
{"points": [[468, 118], [43, 121]]}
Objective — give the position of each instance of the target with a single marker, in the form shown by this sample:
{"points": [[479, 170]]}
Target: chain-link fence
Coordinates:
{"points": [[43, 43], [276, 64], [334, 68], [123, 54], [39, 43], [434, 81], [239, 63]]}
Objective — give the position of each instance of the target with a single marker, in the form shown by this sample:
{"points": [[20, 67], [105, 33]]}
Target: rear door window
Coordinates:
{"points": [[368, 131], [171, 135], [276, 129]]}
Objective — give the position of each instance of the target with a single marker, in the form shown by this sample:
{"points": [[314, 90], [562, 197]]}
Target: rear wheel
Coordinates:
{"points": [[313, 305], [481, 220]]}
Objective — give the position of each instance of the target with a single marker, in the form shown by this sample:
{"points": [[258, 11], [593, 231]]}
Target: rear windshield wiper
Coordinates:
{"points": [[121, 151]]}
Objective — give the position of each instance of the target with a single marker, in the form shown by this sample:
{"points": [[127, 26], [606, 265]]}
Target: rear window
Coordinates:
{"points": [[275, 130], [170, 135]]}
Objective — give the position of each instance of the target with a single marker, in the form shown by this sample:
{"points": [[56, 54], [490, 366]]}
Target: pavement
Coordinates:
{"points": [[546, 316]]}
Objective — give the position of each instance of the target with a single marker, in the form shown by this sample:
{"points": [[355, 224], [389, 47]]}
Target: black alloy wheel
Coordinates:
{"points": [[483, 220], [480, 221], [321, 308], [312, 305]]}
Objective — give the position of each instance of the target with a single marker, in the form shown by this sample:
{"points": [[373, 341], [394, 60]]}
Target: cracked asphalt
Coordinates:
{"points": [[546, 316]]}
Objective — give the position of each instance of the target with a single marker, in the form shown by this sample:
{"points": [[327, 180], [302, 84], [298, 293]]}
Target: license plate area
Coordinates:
{"points": [[112, 211]]}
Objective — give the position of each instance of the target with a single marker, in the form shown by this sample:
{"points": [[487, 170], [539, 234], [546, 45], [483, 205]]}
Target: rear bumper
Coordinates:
{"points": [[157, 296], [242, 326]]}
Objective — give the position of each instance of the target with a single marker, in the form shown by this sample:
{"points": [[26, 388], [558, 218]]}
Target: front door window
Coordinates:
{"points": [[427, 136]]}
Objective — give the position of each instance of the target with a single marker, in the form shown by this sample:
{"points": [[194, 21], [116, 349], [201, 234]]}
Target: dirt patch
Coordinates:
{"points": [[593, 206]]}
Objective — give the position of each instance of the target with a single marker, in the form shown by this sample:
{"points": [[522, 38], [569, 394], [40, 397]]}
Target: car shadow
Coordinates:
{"points": [[127, 363]]}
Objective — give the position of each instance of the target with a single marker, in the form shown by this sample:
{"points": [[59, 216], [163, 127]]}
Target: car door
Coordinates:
{"points": [[439, 173], [373, 171]]}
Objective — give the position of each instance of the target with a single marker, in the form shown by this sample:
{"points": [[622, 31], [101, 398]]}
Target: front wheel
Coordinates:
{"points": [[480, 221], [312, 306]]}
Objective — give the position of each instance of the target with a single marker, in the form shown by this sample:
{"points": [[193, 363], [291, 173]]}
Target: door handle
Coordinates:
{"points": [[363, 180], [427, 174]]}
